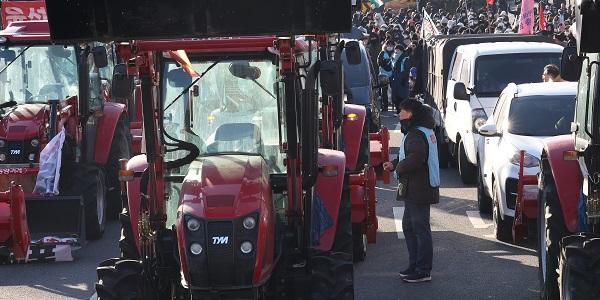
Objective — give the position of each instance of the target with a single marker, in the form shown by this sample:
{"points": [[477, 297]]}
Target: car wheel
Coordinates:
{"points": [[467, 171], [484, 202], [502, 228]]}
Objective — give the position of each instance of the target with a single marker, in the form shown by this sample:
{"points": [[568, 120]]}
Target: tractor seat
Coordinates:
{"points": [[237, 137]]}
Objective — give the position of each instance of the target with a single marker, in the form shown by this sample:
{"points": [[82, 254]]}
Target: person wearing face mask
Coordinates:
{"points": [[384, 61], [417, 168], [399, 79]]}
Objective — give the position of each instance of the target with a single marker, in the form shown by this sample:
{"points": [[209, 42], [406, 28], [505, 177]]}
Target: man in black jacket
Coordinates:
{"points": [[415, 168]]}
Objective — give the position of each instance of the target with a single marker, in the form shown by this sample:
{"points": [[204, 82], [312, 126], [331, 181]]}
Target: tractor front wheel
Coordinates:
{"points": [[332, 276], [359, 242], [579, 268], [121, 279]]}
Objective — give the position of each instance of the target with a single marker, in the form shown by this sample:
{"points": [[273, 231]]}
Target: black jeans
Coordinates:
{"points": [[417, 232], [384, 80]]}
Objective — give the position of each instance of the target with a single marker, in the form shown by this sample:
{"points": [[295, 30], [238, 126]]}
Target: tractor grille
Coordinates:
{"points": [[511, 192], [221, 265]]}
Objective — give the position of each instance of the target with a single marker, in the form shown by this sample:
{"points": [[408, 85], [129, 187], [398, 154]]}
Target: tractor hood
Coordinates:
{"points": [[226, 186], [23, 122]]}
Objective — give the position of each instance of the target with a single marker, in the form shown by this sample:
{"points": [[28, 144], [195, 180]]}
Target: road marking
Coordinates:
{"points": [[385, 189], [94, 296], [494, 251], [476, 220], [398, 213]]}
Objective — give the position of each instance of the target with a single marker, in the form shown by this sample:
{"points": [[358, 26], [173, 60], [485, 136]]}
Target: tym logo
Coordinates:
{"points": [[220, 240], [15, 152]]}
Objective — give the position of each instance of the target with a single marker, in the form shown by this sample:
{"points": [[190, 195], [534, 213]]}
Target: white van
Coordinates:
{"points": [[478, 74]]}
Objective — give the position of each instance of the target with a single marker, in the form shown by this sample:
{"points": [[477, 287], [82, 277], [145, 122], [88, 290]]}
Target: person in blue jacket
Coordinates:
{"points": [[399, 79]]}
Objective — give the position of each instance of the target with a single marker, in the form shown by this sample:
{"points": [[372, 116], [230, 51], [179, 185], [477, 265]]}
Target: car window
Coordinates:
{"points": [[464, 72], [552, 115], [456, 66]]}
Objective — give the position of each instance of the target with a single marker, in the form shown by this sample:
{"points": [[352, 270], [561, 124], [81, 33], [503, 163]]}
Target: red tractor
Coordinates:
{"points": [[569, 217], [233, 197], [48, 86]]}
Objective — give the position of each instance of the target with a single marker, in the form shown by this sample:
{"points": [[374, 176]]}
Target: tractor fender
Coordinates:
{"points": [[106, 129], [352, 130], [329, 190], [137, 163], [567, 177]]}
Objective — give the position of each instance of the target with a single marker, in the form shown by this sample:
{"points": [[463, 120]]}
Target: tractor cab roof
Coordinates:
{"points": [[26, 31]]}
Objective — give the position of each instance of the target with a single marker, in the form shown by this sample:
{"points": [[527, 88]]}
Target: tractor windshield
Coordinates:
{"points": [[36, 74], [231, 109]]}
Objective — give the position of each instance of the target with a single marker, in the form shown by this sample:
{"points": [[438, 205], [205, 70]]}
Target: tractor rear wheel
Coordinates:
{"points": [[579, 268], [551, 229], [127, 240], [120, 148], [359, 243], [87, 181], [120, 279], [343, 241], [332, 276]]}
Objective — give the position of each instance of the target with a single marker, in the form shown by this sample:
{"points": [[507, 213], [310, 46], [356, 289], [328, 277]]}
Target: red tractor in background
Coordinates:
{"points": [[569, 185], [48, 86], [233, 197]]}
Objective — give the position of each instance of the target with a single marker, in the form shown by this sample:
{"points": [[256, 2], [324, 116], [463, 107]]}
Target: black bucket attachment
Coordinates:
{"points": [[55, 216]]}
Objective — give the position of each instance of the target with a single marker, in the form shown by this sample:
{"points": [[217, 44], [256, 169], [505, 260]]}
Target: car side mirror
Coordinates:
{"points": [[100, 56], [489, 130], [122, 83], [460, 91], [570, 64], [352, 51]]}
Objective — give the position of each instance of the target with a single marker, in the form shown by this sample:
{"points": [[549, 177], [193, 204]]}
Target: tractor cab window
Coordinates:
{"points": [[232, 109], [36, 74]]}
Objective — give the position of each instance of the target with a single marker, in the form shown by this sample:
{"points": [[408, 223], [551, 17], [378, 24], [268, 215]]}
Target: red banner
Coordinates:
{"points": [[22, 11]]}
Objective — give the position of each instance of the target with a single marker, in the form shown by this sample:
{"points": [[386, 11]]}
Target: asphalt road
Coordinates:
{"points": [[468, 262]]}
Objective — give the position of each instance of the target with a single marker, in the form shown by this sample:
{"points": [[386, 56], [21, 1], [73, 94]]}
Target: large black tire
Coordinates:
{"points": [[332, 276], [551, 229], [579, 268], [87, 181], [121, 279], [343, 240], [127, 240], [442, 145], [502, 227], [467, 171], [359, 243], [120, 148], [484, 201]]}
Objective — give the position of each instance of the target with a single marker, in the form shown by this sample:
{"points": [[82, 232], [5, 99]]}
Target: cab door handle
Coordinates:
{"points": [[455, 106]]}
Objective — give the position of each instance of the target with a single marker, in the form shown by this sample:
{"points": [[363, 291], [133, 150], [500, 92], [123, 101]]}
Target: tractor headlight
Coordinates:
{"points": [[196, 248], [193, 224], [249, 223], [529, 161], [246, 247], [35, 143], [2, 157], [31, 156], [2, 143]]}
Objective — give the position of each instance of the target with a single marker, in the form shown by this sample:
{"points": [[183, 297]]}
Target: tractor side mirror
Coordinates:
{"points": [[122, 83], [179, 78], [242, 69], [353, 54], [460, 91], [100, 56], [570, 64], [331, 78]]}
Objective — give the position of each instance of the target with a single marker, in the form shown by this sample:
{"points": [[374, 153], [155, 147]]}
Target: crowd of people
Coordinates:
{"points": [[394, 37]]}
